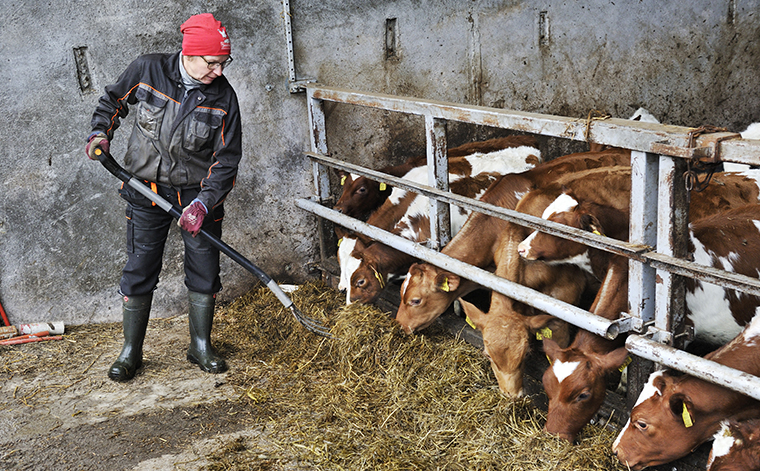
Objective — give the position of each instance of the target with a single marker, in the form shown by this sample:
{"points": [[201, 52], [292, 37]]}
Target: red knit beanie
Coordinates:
{"points": [[203, 35]]}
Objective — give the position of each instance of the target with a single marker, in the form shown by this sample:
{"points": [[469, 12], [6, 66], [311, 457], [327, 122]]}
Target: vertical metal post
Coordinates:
{"points": [[318, 142], [289, 40], [672, 240], [438, 177], [641, 277]]}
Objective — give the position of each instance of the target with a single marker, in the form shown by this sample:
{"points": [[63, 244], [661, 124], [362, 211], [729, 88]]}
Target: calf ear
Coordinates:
{"points": [[546, 326], [682, 409], [474, 315], [590, 223], [342, 174], [612, 360], [447, 282], [552, 350]]}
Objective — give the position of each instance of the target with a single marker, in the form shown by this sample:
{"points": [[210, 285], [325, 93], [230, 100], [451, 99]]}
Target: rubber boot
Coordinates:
{"points": [[201, 316], [135, 314]]}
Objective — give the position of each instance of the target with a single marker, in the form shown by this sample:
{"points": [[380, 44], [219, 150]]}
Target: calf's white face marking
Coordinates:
{"points": [[348, 265], [562, 204], [563, 370], [649, 391]]}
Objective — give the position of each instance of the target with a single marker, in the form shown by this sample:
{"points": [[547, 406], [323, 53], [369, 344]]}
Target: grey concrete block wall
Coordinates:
{"points": [[62, 223]]}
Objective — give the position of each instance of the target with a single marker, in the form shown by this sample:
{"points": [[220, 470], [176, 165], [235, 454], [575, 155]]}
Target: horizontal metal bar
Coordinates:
{"points": [[696, 271], [567, 312], [699, 367], [641, 253], [624, 133], [527, 220]]}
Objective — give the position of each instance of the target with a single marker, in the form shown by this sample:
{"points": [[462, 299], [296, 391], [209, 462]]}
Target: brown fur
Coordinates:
{"points": [[361, 197], [477, 242], [656, 432], [567, 415], [744, 454], [379, 262]]}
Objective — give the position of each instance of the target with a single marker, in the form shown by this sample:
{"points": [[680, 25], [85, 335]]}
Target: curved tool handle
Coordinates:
{"points": [[116, 170]]}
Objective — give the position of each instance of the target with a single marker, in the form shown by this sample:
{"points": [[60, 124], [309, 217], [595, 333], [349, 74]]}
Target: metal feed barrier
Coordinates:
{"points": [[658, 219]]}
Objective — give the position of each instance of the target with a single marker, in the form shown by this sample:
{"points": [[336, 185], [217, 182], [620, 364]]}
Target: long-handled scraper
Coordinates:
{"points": [[112, 166]]}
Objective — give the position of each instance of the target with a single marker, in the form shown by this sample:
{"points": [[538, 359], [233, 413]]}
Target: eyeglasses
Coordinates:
{"points": [[214, 65]]}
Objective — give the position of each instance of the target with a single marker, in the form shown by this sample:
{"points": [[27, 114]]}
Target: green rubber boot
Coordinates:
{"points": [[135, 314], [201, 316]]}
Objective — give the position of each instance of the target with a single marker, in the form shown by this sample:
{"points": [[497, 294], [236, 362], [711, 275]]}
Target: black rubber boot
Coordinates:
{"points": [[201, 316], [135, 314]]}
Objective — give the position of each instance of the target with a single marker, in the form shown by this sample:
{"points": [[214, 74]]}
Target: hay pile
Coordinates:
{"points": [[376, 399]]}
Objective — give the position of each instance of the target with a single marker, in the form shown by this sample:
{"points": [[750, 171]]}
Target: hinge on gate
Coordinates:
{"points": [[665, 337], [299, 86], [707, 150]]}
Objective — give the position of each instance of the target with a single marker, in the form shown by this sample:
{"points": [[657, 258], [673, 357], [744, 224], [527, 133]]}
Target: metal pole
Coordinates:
{"points": [[568, 312], [699, 367]]}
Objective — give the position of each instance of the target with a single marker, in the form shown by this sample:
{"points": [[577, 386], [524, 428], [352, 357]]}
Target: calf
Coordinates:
{"points": [[576, 393], [378, 262], [565, 282], [428, 290], [361, 196], [676, 413], [736, 447], [406, 214]]}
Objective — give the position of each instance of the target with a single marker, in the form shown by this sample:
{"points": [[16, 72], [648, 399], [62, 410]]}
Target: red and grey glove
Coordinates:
{"points": [[192, 217], [96, 139]]}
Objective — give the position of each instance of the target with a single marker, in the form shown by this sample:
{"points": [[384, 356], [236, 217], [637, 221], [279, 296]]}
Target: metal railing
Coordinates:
{"points": [[657, 219]]}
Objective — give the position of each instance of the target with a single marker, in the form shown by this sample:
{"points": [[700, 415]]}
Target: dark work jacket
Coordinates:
{"points": [[177, 140]]}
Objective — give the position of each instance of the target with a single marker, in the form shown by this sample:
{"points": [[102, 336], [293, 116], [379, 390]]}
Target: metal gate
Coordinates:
{"points": [[658, 219]]}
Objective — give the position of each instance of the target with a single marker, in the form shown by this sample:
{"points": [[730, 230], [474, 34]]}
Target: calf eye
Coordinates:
{"points": [[362, 190], [415, 302], [360, 283], [583, 396], [641, 425]]}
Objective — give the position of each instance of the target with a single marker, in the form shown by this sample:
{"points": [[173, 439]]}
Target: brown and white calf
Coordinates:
{"points": [[565, 282], [406, 214], [576, 382], [736, 446], [675, 413], [361, 196], [428, 290]]}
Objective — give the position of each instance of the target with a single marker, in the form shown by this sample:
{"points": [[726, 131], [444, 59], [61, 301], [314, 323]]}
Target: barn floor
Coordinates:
{"points": [[58, 410]]}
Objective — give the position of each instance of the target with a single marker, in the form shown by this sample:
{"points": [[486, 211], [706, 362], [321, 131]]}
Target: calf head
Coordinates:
{"points": [[736, 447], [360, 195], [367, 281], [348, 249], [662, 426], [425, 294], [576, 385], [564, 210], [506, 341]]}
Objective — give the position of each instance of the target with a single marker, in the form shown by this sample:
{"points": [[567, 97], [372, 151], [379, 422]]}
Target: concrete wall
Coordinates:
{"points": [[62, 223]]}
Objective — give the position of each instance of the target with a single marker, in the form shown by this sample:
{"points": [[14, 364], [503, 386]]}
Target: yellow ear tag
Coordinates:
{"points": [[545, 333], [383, 186], [342, 180], [470, 323], [339, 241], [445, 285], [686, 417], [597, 232], [379, 278], [625, 364]]}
